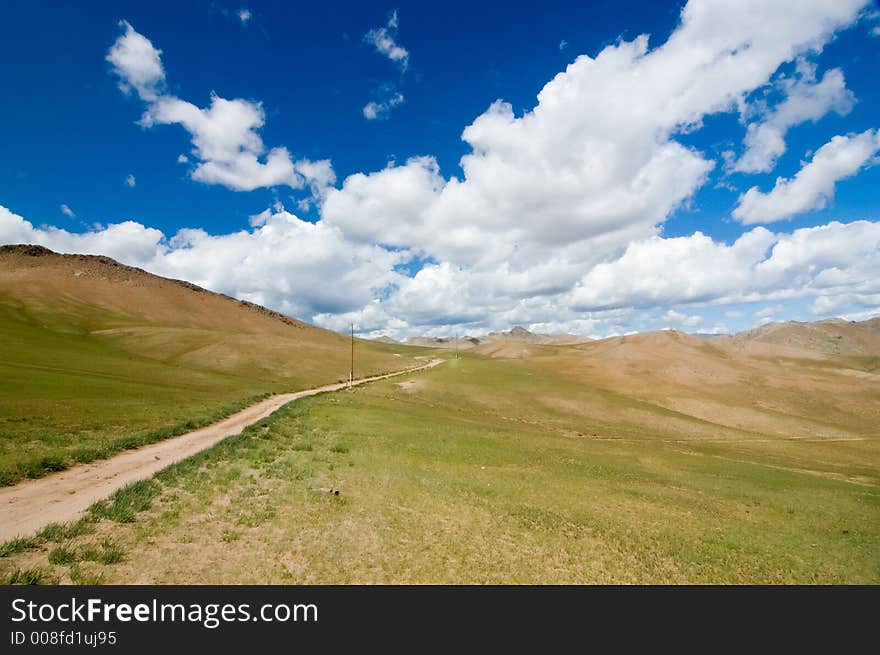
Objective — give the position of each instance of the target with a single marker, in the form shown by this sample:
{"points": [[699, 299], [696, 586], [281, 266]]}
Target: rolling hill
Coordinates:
{"points": [[658, 457], [517, 335], [735, 384], [833, 336], [655, 458], [98, 356]]}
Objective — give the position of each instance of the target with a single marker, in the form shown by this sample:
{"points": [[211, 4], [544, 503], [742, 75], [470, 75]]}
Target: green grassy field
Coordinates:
{"points": [[70, 394], [481, 471]]}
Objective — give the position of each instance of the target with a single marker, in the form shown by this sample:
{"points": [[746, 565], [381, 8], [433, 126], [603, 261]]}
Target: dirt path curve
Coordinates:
{"points": [[60, 497]]}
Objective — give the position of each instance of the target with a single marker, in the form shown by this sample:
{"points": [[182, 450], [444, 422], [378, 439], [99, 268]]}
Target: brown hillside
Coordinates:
{"points": [[519, 334], [749, 387], [175, 321], [500, 344], [832, 336], [32, 272]]}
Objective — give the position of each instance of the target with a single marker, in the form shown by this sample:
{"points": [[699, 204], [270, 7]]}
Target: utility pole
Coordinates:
{"points": [[351, 371], [456, 344]]}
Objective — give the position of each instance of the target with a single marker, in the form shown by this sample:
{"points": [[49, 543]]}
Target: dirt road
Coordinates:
{"points": [[61, 497]]}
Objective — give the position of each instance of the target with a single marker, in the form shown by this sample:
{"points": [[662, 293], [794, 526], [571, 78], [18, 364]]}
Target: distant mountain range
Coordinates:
{"points": [[834, 336], [146, 313], [516, 335]]}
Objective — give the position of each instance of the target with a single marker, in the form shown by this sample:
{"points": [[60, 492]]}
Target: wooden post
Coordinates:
{"points": [[351, 371]]}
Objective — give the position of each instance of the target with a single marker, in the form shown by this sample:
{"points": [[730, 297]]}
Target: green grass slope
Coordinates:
{"points": [[97, 357], [486, 471]]}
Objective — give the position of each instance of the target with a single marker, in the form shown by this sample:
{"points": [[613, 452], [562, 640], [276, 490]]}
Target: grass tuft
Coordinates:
{"points": [[63, 555], [108, 553], [80, 576], [18, 545], [124, 505], [31, 576]]}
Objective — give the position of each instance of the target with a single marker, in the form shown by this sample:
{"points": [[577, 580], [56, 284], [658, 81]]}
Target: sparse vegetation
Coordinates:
{"points": [[645, 459], [127, 502], [498, 471], [108, 553], [18, 545], [31, 576], [62, 555], [88, 371], [74, 548], [81, 576]]}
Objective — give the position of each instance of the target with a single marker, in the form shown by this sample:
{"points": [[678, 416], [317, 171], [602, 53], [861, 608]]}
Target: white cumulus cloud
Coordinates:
{"points": [[127, 241], [597, 158], [813, 186], [819, 261], [314, 271], [373, 110], [137, 63], [805, 100], [557, 217], [383, 40], [225, 135], [297, 267]]}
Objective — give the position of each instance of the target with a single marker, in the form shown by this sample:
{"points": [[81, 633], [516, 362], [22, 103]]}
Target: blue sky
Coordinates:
{"points": [[307, 63], [626, 193]]}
